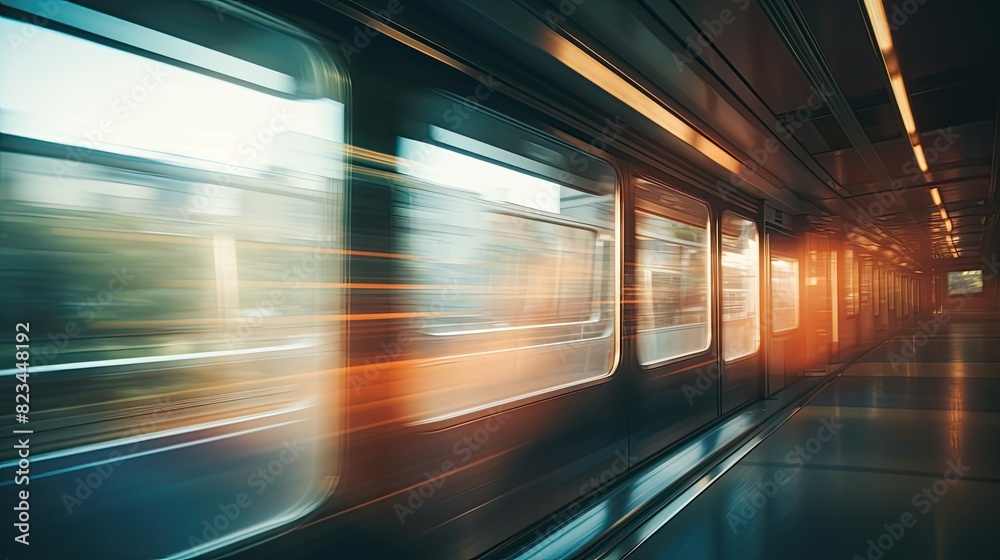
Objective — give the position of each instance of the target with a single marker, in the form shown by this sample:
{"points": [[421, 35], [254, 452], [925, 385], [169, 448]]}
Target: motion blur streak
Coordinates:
{"points": [[169, 234]]}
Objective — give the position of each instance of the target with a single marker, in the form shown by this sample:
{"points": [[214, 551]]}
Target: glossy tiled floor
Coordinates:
{"points": [[894, 460]]}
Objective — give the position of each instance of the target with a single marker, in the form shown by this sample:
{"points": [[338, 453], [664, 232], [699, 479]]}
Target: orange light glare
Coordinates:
{"points": [[936, 196], [883, 36]]}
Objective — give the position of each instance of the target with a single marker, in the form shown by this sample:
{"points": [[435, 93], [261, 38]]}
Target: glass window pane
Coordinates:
{"points": [[174, 235], [890, 285], [865, 265], [850, 293], [513, 273], [740, 287], [897, 293], [784, 293], [672, 276], [965, 282], [877, 287]]}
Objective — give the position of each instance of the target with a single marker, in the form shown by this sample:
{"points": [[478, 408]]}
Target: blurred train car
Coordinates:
{"points": [[295, 273]]}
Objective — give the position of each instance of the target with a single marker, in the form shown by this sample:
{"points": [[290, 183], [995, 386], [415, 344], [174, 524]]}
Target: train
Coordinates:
{"points": [[352, 278]]}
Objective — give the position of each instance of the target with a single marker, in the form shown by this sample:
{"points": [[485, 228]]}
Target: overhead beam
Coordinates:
{"points": [[791, 26]]}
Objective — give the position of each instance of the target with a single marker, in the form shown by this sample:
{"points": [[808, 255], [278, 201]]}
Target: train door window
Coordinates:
{"points": [[740, 287], [879, 297], [850, 283], [672, 274], [520, 229], [907, 296], [866, 280], [890, 285], [877, 287], [784, 294], [897, 291], [169, 227]]}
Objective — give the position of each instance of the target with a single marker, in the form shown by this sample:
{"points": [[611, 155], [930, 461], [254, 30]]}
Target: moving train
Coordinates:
{"points": [[392, 279]]}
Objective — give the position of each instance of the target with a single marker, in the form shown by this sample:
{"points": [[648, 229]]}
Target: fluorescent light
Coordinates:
{"points": [[880, 26], [943, 212], [603, 77], [936, 196], [948, 225]]}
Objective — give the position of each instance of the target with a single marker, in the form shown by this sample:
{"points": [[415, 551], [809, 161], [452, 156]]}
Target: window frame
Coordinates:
{"points": [[726, 360], [428, 421], [639, 191], [850, 283], [798, 295], [876, 288]]}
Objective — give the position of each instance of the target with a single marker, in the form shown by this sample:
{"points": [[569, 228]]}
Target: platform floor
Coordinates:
{"points": [[899, 458]]}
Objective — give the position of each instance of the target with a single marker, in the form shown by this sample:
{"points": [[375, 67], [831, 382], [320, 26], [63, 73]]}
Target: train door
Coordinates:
{"points": [[739, 272], [816, 309], [784, 347], [677, 367]]}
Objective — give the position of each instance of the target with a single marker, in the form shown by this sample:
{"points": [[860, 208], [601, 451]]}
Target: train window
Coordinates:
{"points": [[740, 287], [850, 283], [907, 296], [866, 281], [890, 288], [897, 291], [513, 243], [784, 294], [877, 287], [965, 282], [672, 274], [912, 297], [169, 234]]}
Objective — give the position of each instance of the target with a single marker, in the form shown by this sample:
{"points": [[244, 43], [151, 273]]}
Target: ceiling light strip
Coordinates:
{"points": [[883, 36]]}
